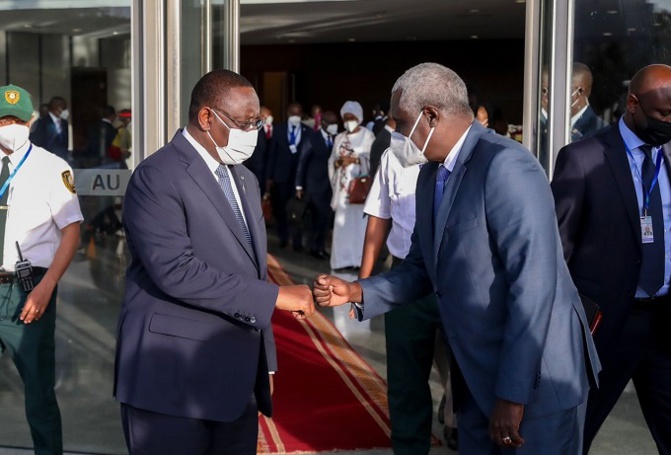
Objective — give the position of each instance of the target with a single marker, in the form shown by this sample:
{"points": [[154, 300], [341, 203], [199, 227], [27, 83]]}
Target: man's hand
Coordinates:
{"points": [[297, 299], [504, 424], [37, 302], [329, 290]]}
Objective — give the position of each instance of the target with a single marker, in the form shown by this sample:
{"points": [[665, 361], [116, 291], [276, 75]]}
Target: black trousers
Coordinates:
{"points": [[150, 433], [281, 194], [640, 352]]}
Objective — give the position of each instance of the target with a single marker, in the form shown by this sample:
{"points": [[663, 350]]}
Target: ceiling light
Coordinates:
{"points": [[520, 1], [631, 29], [351, 40], [607, 34], [474, 37], [474, 11], [612, 11]]}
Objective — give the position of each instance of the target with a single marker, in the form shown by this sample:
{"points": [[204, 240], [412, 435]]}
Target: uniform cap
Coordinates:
{"points": [[16, 102]]}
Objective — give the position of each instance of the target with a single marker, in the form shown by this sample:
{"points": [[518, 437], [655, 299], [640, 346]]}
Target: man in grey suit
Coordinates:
{"points": [[522, 355], [195, 347]]}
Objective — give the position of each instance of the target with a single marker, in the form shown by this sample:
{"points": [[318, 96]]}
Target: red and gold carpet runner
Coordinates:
{"points": [[327, 397]]}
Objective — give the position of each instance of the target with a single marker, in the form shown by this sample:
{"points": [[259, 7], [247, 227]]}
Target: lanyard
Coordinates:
{"points": [[16, 169], [647, 193]]}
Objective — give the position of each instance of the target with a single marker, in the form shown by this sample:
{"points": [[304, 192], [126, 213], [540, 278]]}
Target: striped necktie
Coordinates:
{"points": [[227, 188]]}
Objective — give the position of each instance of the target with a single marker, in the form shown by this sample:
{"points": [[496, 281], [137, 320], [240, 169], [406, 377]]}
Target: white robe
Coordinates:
{"points": [[349, 228]]}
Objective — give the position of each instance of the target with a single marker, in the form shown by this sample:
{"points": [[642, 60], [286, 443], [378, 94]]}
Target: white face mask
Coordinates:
{"points": [[351, 125], [65, 114], [269, 120], [577, 100], [294, 120], [241, 144], [404, 148], [332, 129], [13, 136]]}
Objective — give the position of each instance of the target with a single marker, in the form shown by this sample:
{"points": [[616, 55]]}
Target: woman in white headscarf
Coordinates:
{"points": [[350, 158]]}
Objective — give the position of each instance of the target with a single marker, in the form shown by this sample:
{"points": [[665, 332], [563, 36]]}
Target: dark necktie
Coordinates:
{"points": [[267, 131], [292, 136], [226, 186], [652, 265], [329, 141], [441, 181], [4, 175]]}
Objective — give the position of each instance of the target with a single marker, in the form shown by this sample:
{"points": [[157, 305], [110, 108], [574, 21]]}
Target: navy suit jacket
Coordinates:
{"points": [[588, 124], [493, 258], [46, 135], [313, 173], [194, 335], [282, 164], [257, 162], [599, 224]]}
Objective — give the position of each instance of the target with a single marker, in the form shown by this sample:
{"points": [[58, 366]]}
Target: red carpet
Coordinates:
{"points": [[326, 396]]}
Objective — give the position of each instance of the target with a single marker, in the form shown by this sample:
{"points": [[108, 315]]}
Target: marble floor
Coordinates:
{"points": [[89, 299]]}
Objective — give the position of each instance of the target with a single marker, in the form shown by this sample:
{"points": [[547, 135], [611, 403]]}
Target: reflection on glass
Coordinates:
{"points": [[76, 63], [616, 39]]}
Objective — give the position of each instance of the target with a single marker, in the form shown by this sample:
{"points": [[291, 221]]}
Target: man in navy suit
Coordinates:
{"points": [[312, 182], [51, 131], [290, 140], [195, 346], [486, 244], [584, 121], [606, 201]]}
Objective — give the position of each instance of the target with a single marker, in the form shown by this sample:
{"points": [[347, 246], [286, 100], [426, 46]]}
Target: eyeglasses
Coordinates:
{"points": [[246, 126]]}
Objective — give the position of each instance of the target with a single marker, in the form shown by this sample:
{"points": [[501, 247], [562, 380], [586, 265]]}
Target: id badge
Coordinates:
{"points": [[647, 236]]}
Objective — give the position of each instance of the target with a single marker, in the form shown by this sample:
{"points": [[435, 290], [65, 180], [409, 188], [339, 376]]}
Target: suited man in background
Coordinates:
{"points": [[584, 121], [600, 186], [290, 140], [257, 162], [194, 344], [101, 134], [486, 243], [381, 143], [51, 131], [312, 181]]}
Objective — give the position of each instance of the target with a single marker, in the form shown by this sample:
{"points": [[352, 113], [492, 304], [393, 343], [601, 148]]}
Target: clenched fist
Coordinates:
{"points": [[297, 299], [329, 290]]}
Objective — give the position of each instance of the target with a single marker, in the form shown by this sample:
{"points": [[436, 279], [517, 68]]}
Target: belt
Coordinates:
{"points": [[653, 302], [9, 277]]}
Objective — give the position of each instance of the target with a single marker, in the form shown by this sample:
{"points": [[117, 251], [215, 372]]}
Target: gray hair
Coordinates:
{"points": [[435, 85]]}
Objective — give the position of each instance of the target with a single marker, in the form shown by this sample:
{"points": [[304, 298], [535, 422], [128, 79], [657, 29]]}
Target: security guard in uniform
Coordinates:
{"points": [[39, 222]]}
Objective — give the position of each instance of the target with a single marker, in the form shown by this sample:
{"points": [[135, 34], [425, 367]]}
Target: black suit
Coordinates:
{"points": [[99, 137], [282, 166], [47, 136], [598, 216], [257, 162], [381, 143], [312, 174]]}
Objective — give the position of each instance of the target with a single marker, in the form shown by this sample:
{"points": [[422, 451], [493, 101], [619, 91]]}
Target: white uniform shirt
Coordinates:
{"points": [[41, 202], [393, 196]]}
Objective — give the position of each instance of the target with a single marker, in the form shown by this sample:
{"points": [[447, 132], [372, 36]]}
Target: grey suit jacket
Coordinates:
{"points": [[194, 336], [512, 316]]}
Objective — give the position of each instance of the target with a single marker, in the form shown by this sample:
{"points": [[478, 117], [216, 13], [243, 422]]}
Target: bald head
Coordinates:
{"points": [[213, 90], [649, 104], [650, 78]]}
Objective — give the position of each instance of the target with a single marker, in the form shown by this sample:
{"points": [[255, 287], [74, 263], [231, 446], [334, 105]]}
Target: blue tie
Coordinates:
{"points": [[652, 264], [441, 180], [225, 184]]}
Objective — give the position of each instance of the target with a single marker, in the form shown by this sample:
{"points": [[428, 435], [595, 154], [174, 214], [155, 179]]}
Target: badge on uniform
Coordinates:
{"points": [[647, 236], [69, 181]]}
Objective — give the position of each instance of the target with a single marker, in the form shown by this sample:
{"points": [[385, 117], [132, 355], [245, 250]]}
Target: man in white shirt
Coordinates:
{"points": [[39, 225], [410, 330]]}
